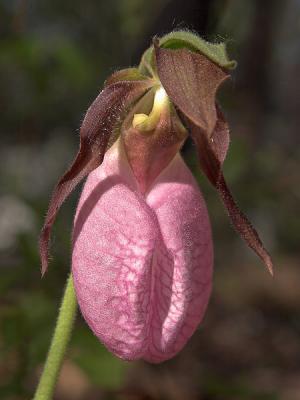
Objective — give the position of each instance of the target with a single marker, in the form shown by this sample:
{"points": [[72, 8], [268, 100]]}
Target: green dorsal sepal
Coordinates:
{"points": [[216, 52]]}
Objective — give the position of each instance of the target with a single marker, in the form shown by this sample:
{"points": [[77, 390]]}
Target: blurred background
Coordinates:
{"points": [[54, 57]]}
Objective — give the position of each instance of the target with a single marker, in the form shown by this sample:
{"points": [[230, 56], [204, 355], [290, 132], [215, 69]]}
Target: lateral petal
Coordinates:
{"points": [[212, 168], [191, 81], [95, 132]]}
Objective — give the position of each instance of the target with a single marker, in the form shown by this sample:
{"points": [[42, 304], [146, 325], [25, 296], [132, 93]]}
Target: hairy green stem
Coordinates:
{"points": [[59, 344]]}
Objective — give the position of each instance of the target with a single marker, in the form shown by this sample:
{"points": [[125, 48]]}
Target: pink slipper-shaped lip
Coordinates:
{"points": [[142, 265]]}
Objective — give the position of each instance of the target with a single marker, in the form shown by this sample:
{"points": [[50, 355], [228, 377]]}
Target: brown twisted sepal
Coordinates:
{"points": [[99, 121], [191, 81]]}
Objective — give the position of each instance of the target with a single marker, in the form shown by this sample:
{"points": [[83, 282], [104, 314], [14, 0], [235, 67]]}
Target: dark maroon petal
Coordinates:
{"points": [[243, 225], [212, 168], [191, 81], [95, 132]]}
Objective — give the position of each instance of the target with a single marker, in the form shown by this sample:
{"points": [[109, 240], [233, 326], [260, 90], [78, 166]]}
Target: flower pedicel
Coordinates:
{"points": [[142, 249]]}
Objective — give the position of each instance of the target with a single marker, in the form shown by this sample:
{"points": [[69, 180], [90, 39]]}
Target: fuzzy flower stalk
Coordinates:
{"points": [[142, 249]]}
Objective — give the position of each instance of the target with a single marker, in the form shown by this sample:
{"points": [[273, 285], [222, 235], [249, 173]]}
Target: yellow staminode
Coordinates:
{"points": [[145, 122]]}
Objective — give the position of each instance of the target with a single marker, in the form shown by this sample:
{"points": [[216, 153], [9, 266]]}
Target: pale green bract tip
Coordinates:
{"points": [[216, 52]]}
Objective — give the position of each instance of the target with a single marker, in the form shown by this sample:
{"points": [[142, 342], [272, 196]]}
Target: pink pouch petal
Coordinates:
{"points": [[142, 265]]}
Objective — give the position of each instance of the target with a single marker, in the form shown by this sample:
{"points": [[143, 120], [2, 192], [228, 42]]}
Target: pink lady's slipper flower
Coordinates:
{"points": [[142, 248]]}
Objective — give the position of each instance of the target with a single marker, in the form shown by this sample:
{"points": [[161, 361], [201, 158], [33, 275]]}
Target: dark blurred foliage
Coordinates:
{"points": [[54, 57]]}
